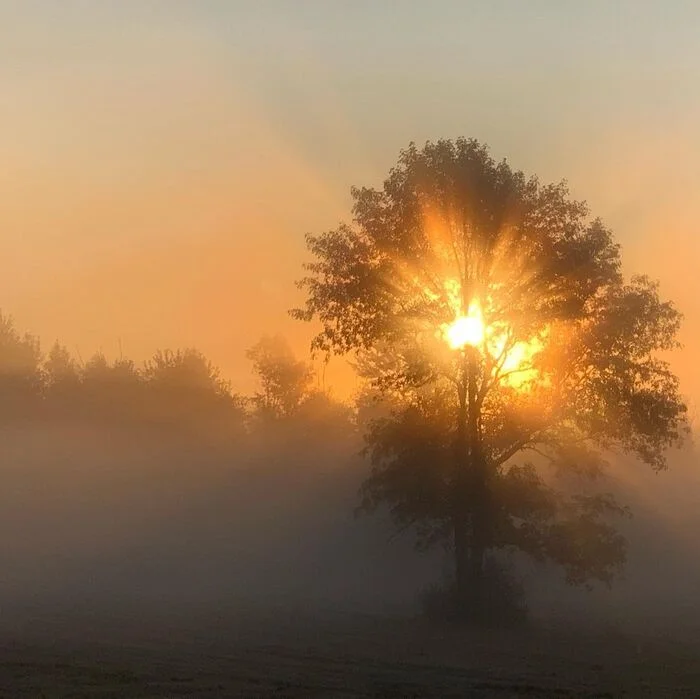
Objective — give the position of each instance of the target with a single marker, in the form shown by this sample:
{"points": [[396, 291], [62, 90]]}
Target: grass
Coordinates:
{"points": [[340, 656]]}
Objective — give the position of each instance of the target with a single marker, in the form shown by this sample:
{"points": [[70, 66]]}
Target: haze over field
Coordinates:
{"points": [[163, 160]]}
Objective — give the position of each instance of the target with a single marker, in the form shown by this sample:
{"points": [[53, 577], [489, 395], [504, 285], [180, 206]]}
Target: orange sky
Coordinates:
{"points": [[163, 160]]}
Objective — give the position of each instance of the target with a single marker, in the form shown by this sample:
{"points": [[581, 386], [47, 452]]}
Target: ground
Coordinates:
{"points": [[281, 654]]}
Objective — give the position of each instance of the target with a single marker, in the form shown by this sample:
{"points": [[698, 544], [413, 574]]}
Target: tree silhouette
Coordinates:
{"points": [[60, 367], [112, 393], [184, 389], [20, 371], [490, 314], [62, 382], [285, 381]]}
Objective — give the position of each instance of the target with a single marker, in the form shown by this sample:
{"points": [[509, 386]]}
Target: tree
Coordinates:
{"points": [[61, 378], [20, 371], [285, 381], [60, 367], [490, 313], [187, 390], [112, 393]]}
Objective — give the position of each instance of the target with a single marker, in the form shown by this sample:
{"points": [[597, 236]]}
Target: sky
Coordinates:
{"points": [[163, 159]]}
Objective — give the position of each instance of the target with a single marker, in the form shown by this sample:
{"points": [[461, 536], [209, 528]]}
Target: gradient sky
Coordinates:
{"points": [[162, 159]]}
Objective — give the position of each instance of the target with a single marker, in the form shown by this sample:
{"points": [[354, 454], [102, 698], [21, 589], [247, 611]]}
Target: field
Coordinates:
{"points": [[287, 655]]}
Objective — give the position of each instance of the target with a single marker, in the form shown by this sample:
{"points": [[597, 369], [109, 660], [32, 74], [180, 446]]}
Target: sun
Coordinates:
{"points": [[466, 329], [511, 360]]}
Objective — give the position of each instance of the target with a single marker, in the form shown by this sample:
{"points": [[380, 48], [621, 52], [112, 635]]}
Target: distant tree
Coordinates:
{"points": [[491, 317], [186, 389], [96, 368], [112, 393], [322, 414], [60, 367], [20, 371], [285, 381], [185, 370], [100, 373], [62, 376]]}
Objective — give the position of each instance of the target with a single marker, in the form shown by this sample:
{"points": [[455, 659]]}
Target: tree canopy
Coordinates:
{"points": [[565, 365], [285, 381]]}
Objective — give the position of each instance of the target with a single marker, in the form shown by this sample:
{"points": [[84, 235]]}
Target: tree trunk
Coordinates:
{"points": [[462, 564], [460, 519], [477, 558], [470, 515]]}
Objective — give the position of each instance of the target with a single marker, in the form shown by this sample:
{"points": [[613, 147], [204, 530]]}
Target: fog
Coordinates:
{"points": [[155, 521], [98, 520], [658, 586], [101, 517]]}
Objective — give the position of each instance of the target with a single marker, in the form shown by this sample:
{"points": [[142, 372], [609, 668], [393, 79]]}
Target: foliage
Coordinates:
{"points": [[176, 390], [20, 370], [185, 390], [112, 393], [179, 391], [285, 382], [451, 226], [60, 369]]}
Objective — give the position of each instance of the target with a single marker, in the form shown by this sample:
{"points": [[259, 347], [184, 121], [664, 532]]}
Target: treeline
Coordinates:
{"points": [[178, 392], [157, 484]]}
